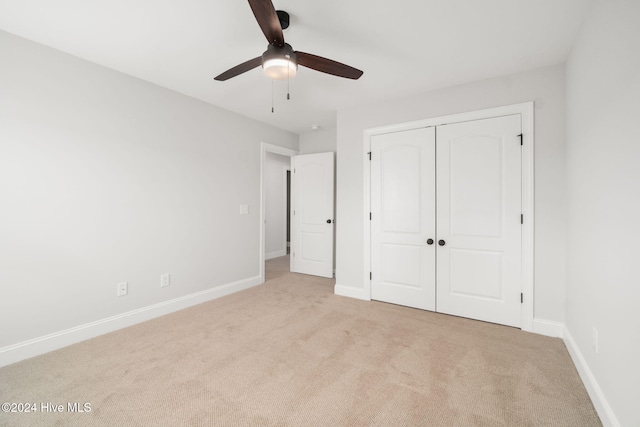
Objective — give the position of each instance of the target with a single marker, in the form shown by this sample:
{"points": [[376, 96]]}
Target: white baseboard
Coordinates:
{"points": [[549, 328], [351, 292], [275, 254], [600, 402], [34, 347]]}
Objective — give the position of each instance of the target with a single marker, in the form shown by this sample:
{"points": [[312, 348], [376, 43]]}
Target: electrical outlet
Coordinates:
{"points": [[595, 340], [165, 280], [123, 289]]}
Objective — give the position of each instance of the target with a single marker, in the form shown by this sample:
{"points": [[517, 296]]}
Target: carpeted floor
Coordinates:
{"points": [[290, 353]]}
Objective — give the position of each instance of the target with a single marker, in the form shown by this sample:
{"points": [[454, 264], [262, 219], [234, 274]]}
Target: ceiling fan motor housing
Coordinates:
{"points": [[280, 62]]}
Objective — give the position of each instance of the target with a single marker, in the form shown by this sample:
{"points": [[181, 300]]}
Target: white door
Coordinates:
{"points": [[312, 217], [460, 185], [403, 218], [479, 266]]}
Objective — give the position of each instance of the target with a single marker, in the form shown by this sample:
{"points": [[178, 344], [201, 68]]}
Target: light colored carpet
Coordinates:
{"points": [[290, 353]]}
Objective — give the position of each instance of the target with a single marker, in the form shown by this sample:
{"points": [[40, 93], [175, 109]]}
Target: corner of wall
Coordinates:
{"points": [[351, 292], [549, 328]]}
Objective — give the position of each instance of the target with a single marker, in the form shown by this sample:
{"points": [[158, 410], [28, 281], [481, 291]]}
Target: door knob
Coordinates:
{"points": [[429, 241], [328, 221], [441, 242]]}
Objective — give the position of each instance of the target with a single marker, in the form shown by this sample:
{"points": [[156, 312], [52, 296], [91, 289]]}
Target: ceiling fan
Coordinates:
{"points": [[280, 61]]}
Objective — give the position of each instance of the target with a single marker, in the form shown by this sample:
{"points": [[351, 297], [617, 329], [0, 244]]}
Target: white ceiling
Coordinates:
{"points": [[403, 47]]}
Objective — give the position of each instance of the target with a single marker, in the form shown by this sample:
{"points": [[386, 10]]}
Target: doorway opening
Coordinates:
{"points": [[285, 154]]}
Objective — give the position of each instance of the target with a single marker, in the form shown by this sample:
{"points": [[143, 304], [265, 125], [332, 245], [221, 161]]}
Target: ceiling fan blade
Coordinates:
{"points": [[328, 66], [239, 69], [268, 21]]}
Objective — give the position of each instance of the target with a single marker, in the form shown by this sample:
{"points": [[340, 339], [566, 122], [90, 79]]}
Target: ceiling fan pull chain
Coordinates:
{"points": [[288, 80], [272, 110]]}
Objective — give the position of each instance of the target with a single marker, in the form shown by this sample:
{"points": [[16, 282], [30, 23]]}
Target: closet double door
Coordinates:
{"points": [[446, 219]]}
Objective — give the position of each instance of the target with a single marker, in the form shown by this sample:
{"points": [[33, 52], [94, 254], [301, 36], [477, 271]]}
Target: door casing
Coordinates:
{"points": [[525, 110]]}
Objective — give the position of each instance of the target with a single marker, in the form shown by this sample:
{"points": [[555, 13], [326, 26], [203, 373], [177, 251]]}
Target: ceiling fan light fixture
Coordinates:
{"points": [[280, 68], [279, 62]]}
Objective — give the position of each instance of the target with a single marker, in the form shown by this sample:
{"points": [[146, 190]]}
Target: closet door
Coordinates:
{"points": [[479, 264], [403, 218]]}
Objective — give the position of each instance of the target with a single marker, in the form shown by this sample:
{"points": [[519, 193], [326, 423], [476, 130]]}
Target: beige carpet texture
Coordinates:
{"points": [[291, 353]]}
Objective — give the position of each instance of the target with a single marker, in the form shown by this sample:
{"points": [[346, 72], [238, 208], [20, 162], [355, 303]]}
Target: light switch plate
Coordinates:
{"points": [[244, 209]]}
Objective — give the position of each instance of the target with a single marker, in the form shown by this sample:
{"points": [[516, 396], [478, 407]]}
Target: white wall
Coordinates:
{"points": [[603, 188], [105, 178], [323, 140], [275, 182], [544, 86]]}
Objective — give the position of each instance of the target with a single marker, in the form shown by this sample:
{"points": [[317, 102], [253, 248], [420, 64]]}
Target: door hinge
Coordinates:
{"points": [[521, 218], [370, 276], [369, 153], [370, 216], [521, 298], [521, 142]]}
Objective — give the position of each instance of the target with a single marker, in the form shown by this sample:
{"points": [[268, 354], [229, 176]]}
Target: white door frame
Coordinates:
{"points": [[265, 148], [526, 112]]}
